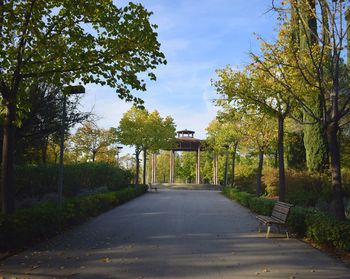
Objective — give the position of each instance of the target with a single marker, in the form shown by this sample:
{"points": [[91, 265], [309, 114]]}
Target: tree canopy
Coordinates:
{"points": [[62, 42]]}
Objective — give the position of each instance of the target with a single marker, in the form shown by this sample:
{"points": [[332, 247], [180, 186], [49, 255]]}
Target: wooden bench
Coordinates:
{"points": [[278, 217], [150, 187]]}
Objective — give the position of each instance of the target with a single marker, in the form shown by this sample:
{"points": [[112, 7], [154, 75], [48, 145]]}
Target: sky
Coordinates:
{"points": [[197, 37]]}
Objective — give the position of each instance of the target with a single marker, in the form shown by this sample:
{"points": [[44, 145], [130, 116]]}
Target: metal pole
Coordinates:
{"points": [[60, 172]]}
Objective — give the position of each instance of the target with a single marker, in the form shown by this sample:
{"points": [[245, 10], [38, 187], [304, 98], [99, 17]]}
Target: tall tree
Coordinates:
{"points": [[304, 22], [253, 90], [65, 41], [318, 71]]}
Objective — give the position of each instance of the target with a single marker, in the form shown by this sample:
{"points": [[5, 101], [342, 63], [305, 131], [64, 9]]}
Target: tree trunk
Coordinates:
{"points": [[282, 179], [137, 157], [259, 174], [8, 147], [226, 169], [338, 193], [233, 164], [144, 165], [44, 151], [93, 155]]}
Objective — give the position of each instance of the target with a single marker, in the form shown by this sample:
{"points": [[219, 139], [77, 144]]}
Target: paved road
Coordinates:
{"points": [[172, 234]]}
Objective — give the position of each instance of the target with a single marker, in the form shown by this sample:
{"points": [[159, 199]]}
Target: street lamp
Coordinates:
{"points": [[119, 148], [226, 146], [68, 90]]}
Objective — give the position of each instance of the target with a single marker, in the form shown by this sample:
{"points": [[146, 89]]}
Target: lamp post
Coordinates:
{"points": [[69, 90], [119, 148], [226, 165]]}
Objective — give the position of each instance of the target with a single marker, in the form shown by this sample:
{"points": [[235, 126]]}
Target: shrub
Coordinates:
{"points": [[270, 180], [261, 206], [245, 178], [317, 226], [36, 181], [27, 226], [302, 188], [324, 229]]}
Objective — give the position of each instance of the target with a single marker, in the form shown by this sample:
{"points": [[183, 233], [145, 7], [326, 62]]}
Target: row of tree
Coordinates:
{"points": [[304, 76]]}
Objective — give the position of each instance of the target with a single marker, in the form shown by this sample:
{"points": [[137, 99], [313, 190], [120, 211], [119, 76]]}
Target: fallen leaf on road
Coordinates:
{"points": [[266, 270], [106, 260]]}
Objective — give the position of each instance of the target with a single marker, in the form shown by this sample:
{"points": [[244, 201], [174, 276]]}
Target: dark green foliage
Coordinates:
{"points": [[304, 222], [315, 145], [261, 206], [295, 151], [323, 229], [40, 222], [36, 181], [296, 220]]}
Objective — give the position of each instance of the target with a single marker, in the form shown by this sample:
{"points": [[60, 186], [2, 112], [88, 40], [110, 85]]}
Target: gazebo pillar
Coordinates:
{"points": [[154, 168], [198, 166], [172, 167], [216, 159]]}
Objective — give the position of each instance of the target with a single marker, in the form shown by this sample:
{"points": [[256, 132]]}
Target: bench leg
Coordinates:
{"points": [[287, 234], [268, 231], [259, 227]]}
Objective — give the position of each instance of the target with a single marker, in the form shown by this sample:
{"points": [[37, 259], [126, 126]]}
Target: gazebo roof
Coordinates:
{"points": [[185, 132]]}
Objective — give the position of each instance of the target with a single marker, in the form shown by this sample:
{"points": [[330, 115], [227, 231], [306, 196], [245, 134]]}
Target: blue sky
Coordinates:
{"points": [[197, 37]]}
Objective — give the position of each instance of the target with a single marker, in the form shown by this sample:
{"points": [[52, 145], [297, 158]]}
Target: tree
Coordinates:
{"points": [[252, 90], [90, 142], [317, 71], [314, 136], [259, 133], [145, 131], [61, 42], [43, 122], [225, 131], [186, 170], [160, 134]]}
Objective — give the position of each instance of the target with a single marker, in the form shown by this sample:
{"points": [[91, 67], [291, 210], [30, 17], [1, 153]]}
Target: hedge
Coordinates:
{"points": [[320, 228], [38, 180], [28, 226]]}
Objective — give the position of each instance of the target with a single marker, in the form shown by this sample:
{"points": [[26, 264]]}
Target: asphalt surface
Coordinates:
{"points": [[172, 234]]}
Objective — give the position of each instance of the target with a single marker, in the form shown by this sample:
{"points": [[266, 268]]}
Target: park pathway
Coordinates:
{"points": [[172, 234]]}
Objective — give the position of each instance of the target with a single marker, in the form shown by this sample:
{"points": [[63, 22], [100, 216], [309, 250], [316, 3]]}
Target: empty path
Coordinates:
{"points": [[172, 234]]}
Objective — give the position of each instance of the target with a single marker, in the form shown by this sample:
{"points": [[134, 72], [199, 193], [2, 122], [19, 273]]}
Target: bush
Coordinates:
{"points": [[302, 188], [36, 181], [245, 178], [304, 222], [270, 180], [324, 229], [261, 206], [42, 221]]}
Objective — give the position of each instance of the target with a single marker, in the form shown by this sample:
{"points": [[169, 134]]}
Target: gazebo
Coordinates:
{"points": [[185, 141]]}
